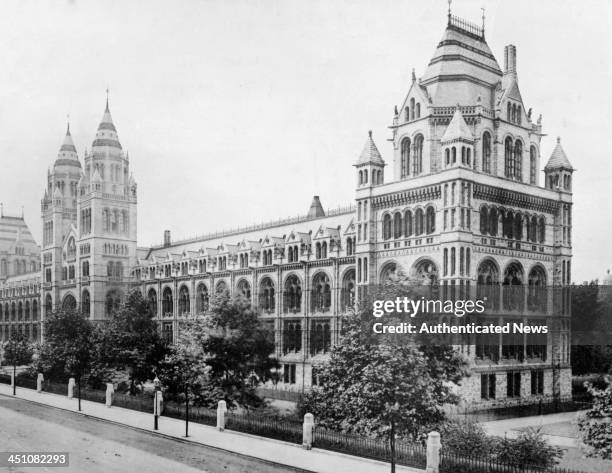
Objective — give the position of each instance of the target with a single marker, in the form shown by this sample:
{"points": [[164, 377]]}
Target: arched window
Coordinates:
{"points": [[152, 300], [397, 225], [418, 110], [244, 288], [518, 160], [348, 290], [514, 113], [318, 250], [34, 309], [463, 155], [183, 301], [513, 296], [431, 220], [360, 177], [447, 156], [321, 293], [454, 153], [542, 230], [349, 246], [48, 305], [386, 227], [519, 119], [484, 220], [20, 309], [518, 227], [417, 165], [488, 282], [267, 301], [509, 112], [536, 295], [324, 250], [532, 165], [418, 224], [69, 303], [493, 221], [202, 299], [426, 272], [221, 287], [508, 224], [86, 303], [412, 108], [468, 157], [408, 223], [445, 262], [292, 300], [167, 302], [405, 157], [508, 158]]}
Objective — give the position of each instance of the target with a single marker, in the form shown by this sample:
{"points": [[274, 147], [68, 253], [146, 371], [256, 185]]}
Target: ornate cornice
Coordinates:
{"points": [[515, 199], [420, 194]]}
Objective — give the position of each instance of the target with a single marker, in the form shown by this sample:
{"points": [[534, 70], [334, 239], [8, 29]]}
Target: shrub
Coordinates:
{"points": [[596, 424]]}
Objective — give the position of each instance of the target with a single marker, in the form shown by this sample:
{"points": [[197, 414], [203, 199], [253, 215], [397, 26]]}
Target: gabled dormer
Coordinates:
{"points": [[350, 238], [457, 143], [414, 105]]}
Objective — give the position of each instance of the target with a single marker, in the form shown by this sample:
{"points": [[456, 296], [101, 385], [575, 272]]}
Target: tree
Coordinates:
{"points": [[184, 371], [130, 341], [17, 351], [596, 424], [371, 388], [67, 348], [220, 356]]}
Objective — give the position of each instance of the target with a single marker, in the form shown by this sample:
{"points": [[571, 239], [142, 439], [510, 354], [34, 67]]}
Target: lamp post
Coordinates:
{"points": [[156, 383]]}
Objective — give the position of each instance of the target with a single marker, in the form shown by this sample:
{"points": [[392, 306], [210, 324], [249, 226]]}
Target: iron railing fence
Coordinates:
{"points": [[267, 426], [5, 379], [408, 454], [199, 415], [451, 463]]}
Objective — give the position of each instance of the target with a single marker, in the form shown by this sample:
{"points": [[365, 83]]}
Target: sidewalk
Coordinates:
{"points": [[511, 427], [315, 460]]}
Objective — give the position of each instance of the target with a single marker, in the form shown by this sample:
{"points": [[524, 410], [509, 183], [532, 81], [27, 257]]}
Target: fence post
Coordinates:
{"points": [[307, 432], [39, 381], [109, 394], [433, 452], [221, 410], [71, 383]]}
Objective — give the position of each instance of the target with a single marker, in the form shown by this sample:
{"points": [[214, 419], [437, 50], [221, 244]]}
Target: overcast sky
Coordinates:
{"points": [[237, 112]]}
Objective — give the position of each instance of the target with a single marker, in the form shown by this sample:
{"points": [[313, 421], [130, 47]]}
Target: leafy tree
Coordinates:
{"points": [[596, 424], [130, 341], [17, 350], [221, 355], [372, 388], [67, 347]]}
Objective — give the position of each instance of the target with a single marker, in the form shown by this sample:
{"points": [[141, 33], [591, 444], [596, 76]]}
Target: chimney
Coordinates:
{"points": [[167, 239], [316, 209], [510, 59]]}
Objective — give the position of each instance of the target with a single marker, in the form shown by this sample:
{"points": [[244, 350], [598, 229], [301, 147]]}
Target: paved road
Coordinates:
{"points": [[99, 446]]}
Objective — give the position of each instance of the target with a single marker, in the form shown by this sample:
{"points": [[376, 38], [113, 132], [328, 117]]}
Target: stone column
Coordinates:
{"points": [[221, 410], [308, 431], [71, 383], [433, 453], [39, 381], [110, 390]]}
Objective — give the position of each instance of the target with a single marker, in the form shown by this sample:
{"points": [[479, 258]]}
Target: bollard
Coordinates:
{"points": [[160, 403], [110, 389], [71, 388], [39, 382], [221, 410], [433, 453], [308, 431], [13, 380]]}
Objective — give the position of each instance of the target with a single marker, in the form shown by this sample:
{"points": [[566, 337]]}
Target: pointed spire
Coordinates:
{"points": [[558, 159], [457, 129], [370, 153], [67, 154], [107, 141]]}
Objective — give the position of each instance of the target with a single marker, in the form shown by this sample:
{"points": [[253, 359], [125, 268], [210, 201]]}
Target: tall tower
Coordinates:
{"points": [[59, 214], [107, 222]]}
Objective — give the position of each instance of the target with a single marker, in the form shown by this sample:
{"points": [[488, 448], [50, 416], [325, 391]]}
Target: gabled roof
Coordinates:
{"points": [[457, 129], [350, 229], [326, 232], [370, 153], [558, 159]]}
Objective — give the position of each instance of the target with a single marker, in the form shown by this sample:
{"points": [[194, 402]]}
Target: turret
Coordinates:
{"points": [[370, 165], [559, 170]]}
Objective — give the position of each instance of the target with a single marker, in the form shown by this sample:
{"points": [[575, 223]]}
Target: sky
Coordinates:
{"points": [[238, 112]]}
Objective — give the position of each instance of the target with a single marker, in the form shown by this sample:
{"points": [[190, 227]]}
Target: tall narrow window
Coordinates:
{"points": [[405, 158], [518, 160], [508, 158], [418, 155], [532, 165], [486, 152]]}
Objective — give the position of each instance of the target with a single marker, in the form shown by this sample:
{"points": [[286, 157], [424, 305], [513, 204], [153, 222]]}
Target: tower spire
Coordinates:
{"points": [[449, 11], [483, 21], [107, 91]]}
